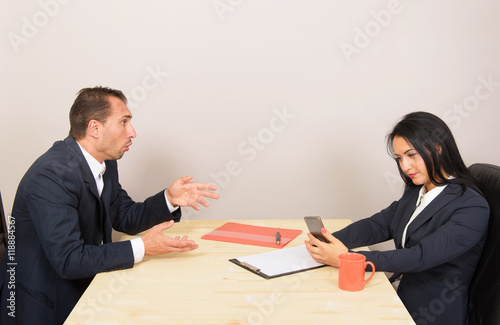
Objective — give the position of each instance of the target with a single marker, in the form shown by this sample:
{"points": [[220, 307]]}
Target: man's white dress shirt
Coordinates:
{"points": [[98, 170]]}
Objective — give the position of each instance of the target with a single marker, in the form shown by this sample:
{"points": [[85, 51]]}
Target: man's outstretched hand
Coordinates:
{"points": [[185, 193], [155, 242]]}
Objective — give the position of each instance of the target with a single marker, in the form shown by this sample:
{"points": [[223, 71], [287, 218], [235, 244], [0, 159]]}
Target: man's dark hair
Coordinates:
{"points": [[91, 104]]}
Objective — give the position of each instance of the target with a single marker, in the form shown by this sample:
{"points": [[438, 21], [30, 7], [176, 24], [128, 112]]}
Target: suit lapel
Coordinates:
{"points": [[443, 199], [106, 203], [88, 178], [408, 208]]}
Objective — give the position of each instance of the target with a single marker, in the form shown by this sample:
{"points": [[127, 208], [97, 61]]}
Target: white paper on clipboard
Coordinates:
{"points": [[279, 262]]}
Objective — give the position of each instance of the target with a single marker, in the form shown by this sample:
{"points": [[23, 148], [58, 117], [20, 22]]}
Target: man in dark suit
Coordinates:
{"points": [[66, 206]]}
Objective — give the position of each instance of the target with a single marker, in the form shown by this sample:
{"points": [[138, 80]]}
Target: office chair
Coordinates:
{"points": [[484, 291], [3, 230]]}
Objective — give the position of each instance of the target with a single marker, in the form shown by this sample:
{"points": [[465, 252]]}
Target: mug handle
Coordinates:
{"points": [[373, 272]]}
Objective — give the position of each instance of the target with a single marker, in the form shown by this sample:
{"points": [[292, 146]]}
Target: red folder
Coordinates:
{"points": [[239, 233]]}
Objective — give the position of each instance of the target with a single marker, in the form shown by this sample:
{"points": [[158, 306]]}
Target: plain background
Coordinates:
{"points": [[284, 104]]}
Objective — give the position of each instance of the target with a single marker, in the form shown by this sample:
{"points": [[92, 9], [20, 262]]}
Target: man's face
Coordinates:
{"points": [[117, 132]]}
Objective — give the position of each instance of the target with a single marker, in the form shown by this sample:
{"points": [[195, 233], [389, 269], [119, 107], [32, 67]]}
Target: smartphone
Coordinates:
{"points": [[315, 224]]}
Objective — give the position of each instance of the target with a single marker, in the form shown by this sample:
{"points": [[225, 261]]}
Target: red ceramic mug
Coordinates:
{"points": [[352, 271]]}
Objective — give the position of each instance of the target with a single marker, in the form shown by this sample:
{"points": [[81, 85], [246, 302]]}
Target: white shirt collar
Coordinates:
{"points": [[96, 167], [423, 200], [427, 197]]}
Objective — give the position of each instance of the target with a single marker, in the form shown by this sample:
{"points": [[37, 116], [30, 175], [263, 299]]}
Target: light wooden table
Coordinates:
{"points": [[203, 287]]}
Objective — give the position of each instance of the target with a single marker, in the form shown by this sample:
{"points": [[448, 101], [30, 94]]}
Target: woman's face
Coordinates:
{"points": [[411, 162]]}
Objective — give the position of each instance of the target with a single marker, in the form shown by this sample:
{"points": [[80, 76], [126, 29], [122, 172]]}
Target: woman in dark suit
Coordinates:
{"points": [[438, 226]]}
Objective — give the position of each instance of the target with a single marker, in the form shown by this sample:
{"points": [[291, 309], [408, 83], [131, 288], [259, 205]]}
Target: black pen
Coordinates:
{"points": [[278, 238]]}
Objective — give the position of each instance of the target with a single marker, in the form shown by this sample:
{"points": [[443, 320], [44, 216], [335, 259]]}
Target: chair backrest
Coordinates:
{"points": [[3, 230], [484, 291]]}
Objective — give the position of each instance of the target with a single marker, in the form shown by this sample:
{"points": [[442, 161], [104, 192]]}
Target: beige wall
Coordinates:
{"points": [[284, 104]]}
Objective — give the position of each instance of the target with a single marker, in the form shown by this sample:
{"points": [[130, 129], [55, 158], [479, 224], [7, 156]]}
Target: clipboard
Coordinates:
{"points": [[239, 233], [278, 263]]}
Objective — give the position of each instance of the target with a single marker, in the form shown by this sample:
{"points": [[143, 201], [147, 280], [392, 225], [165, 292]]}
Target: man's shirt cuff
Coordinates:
{"points": [[171, 208], [138, 249]]}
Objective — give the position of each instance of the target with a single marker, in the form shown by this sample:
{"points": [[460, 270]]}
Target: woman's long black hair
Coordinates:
{"points": [[434, 142]]}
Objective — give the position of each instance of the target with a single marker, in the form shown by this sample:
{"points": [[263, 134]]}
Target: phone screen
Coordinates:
{"points": [[315, 224]]}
